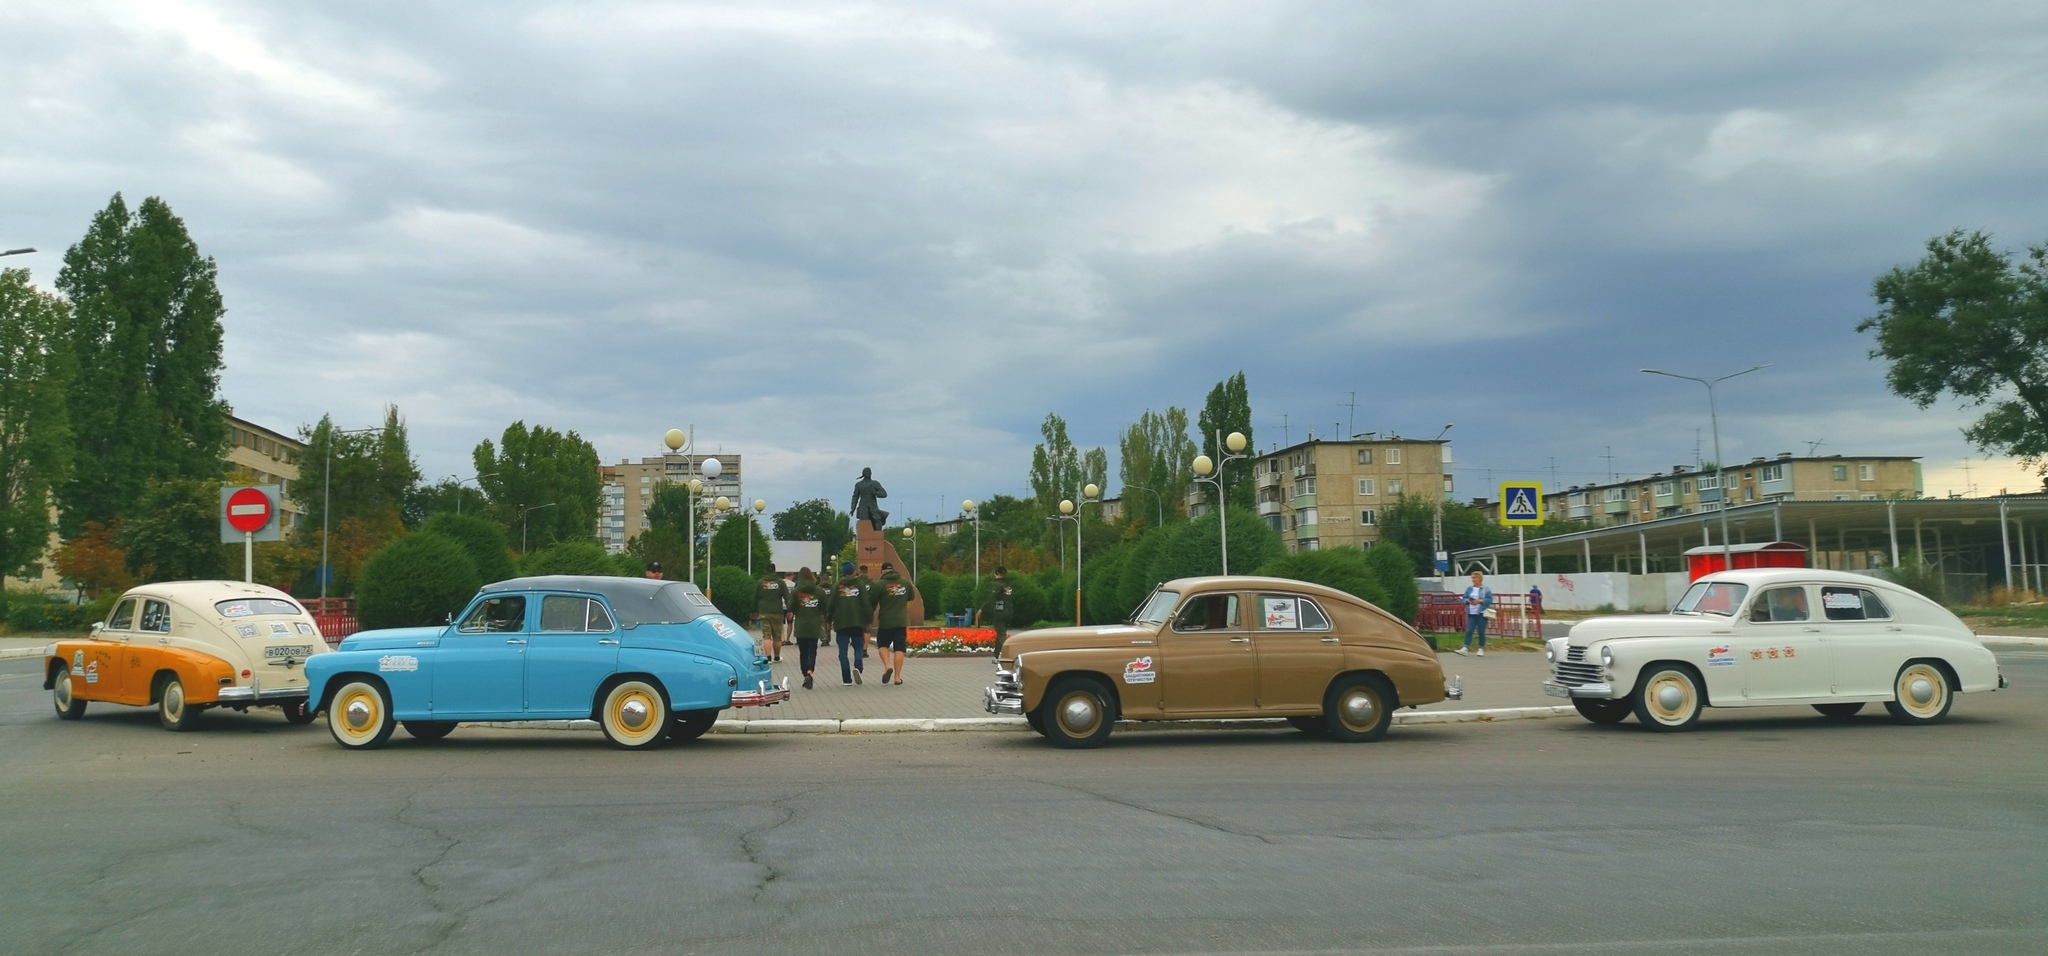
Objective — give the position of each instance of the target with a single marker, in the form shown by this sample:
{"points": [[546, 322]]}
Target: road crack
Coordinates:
{"points": [[1204, 823]]}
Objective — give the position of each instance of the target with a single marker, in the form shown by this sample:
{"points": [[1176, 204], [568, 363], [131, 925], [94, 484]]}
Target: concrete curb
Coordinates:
{"points": [[900, 725], [2023, 641], [14, 652]]}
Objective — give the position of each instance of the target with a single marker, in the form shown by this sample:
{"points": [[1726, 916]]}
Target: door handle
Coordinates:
{"points": [[1146, 643], [515, 641], [609, 641], [1811, 630], [425, 643], [1332, 640], [1240, 640], [1895, 628]]}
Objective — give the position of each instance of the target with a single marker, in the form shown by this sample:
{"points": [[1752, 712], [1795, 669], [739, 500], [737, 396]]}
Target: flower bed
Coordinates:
{"points": [[951, 640]]}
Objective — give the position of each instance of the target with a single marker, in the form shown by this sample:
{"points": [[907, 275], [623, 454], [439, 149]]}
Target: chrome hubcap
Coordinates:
{"points": [[64, 691], [174, 700], [633, 714], [1358, 709], [1078, 713], [357, 714], [1670, 697], [1921, 690]]}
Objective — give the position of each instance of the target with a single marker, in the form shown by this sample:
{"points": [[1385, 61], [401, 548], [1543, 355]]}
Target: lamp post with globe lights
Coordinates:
{"points": [[759, 506], [967, 508], [1071, 511], [1437, 558], [524, 513], [910, 535], [1233, 446]]}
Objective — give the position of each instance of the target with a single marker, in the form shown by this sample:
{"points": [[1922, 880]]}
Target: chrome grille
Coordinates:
{"points": [[1575, 669]]}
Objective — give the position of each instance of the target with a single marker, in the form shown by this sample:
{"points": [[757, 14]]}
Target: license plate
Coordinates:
{"points": [[1555, 690], [294, 650]]}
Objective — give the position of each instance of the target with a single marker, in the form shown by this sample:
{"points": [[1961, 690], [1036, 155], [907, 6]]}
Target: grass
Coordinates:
{"points": [[2025, 616]]}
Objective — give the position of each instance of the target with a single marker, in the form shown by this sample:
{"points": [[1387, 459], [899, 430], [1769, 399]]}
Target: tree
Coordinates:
{"points": [[447, 496], [540, 466], [35, 425], [145, 333], [1058, 472], [663, 545], [1193, 549], [93, 557], [570, 557], [1409, 524], [1155, 460], [368, 476], [732, 591], [415, 581], [730, 542], [175, 532], [1345, 569], [1229, 409], [480, 538], [814, 520], [1395, 570], [1967, 321]]}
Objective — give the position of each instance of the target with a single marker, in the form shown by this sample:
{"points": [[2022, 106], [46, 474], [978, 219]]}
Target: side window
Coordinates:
{"points": [[1845, 604], [1312, 616], [599, 619], [496, 614], [1208, 612], [124, 616], [156, 616], [1780, 606], [560, 612], [1874, 609]]}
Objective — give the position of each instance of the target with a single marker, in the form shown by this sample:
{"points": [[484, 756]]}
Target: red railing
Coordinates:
{"points": [[336, 617], [1444, 613]]}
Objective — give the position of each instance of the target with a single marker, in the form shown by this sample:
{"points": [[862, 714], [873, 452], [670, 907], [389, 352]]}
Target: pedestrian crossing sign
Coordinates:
{"points": [[1521, 503]]}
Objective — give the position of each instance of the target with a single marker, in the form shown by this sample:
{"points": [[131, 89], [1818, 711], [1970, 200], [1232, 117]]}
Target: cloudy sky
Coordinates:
{"points": [[831, 235]]}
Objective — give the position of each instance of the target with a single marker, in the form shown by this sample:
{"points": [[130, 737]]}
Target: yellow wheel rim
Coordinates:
{"points": [[358, 713], [1922, 691], [1671, 698], [634, 713]]}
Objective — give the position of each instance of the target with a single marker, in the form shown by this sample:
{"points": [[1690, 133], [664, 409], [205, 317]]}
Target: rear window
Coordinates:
{"points": [[255, 607], [1852, 604]]}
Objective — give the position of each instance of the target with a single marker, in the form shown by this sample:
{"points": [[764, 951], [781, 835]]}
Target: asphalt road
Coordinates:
{"points": [[1762, 832]]}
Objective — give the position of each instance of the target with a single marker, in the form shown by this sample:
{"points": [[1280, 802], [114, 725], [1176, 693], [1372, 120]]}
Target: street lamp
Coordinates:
{"points": [[524, 513], [479, 479], [1156, 497], [1234, 447], [1720, 464], [1437, 528], [711, 468], [17, 252], [326, 486], [1070, 511], [910, 535], [967, 507], [759, 506]]}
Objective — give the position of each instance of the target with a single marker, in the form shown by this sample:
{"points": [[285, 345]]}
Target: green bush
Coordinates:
{"points": [[1101, 586], [1396, 571], [27, 613], [481, 538], [626, 564], [1194, 549], [1135, 580], [416, 580], [1030, 600], [571, 557], [932, 586], [81, 617], [732, 591], [960, 594], [1915, 574], [1345, 569]]}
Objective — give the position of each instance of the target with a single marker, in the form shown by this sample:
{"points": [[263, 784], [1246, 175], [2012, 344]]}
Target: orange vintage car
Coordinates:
{"points": [[1228, 647], [185, 646]]}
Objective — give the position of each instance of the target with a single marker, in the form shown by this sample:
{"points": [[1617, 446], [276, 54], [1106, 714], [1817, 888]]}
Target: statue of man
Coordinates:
{"points": [[865, 491]]}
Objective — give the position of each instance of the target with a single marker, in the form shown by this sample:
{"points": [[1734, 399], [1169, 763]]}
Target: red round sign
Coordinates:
{"points": [[248, 510]]}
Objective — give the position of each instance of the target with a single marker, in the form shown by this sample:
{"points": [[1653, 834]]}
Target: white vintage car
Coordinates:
{"points": [[1773, 637]]}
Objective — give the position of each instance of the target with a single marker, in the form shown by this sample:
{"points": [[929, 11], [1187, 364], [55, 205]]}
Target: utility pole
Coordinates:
{"points": [[1610, 466]]}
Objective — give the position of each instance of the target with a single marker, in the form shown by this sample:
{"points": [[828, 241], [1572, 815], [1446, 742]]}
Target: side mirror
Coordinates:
{"points": [[98, 626]]}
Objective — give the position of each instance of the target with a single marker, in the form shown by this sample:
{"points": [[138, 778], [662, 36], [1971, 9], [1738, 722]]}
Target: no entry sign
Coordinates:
{"points": [[249, 509]]}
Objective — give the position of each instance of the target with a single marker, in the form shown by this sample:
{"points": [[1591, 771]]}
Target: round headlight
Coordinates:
{"points": [[1550, 652], [1606, 656]]}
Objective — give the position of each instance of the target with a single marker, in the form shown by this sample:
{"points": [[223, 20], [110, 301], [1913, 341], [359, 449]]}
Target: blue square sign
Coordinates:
{"points": [[1521, 503]]}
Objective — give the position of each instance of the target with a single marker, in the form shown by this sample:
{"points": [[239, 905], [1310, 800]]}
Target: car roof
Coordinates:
{"points": [[1758, 577], [634, 600], [206, 592], [1253, 582]]}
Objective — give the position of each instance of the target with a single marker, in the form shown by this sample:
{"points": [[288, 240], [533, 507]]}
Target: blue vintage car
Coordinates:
{"points": [[648, 660]]}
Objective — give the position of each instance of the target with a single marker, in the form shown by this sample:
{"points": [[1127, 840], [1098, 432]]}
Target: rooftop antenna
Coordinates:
{"points": [[1553, 472], [1286, 433], [1697, 464], [1814, 446], [1969, 487], [1610, 462], [1353, 405]]}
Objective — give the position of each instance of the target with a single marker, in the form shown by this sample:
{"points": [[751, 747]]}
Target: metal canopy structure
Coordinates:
{"points": [[1976, 541]]}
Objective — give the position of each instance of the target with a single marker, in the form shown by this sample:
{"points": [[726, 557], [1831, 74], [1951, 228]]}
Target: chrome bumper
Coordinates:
{"points": [[1007, 696], [1455, 690], [764, 695], [1555, 689], [256, 694]]}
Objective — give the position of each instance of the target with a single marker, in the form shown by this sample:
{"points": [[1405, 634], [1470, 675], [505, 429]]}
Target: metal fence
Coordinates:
{"points": [[336, 617], [1444, 613]]}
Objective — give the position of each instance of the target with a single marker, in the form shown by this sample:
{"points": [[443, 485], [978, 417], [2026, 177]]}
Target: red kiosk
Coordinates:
{"points": [[1775, 554]]}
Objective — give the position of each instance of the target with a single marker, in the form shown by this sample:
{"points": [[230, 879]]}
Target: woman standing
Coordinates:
{"points": [[810, 603], [1478, 601]]}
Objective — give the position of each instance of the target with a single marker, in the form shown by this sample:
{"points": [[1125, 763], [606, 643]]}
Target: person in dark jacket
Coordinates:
{"points": [[773, 604], [812, 603], [892, 624], [849, 623], [996, 606]]}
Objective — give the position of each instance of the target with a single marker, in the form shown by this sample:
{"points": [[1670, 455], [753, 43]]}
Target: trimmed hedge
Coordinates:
{"points": [[416, 580], [481, 538]]}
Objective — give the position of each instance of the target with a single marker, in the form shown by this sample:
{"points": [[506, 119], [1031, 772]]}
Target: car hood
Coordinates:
{"points": [[1649, 625], [390, 637], [1054, 638]]}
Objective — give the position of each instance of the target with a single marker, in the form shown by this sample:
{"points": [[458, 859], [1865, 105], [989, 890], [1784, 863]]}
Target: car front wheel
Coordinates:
{"points": [[359, 717], [298, 712], [1920, 694], [691, 725], [1358, 708], [171, 708], [1601, 711], [1077, 713], [429, 729], [69, 707], [1838, 711], [634, 716], [1667, 699]]}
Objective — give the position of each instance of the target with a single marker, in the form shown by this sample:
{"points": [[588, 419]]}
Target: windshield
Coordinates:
{"points": [[1712, 597], [1156, 608]]}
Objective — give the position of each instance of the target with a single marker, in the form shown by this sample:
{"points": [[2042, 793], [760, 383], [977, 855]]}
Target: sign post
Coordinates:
{"points": [[1521, 508], [249, 513]]}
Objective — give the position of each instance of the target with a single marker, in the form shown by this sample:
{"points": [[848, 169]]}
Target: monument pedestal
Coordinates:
{"points": [[871, 547]]}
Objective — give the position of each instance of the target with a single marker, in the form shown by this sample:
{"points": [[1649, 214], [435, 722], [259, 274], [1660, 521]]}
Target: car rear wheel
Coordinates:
{"points": [[1838, 711], [692, 724], [429, 729], [297, 713], [1921, 694], [360, 716], [1308, 725], [634, 715], [1601, 711], [1667, 699], [69, 707], [172, 710], [1077, 713], [1358, 708]]}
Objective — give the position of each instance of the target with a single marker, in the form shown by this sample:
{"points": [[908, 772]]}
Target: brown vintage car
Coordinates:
{"points": [[1222, 647]]}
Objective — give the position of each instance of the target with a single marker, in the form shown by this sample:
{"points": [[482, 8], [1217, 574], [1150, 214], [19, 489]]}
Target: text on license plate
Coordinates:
{"points": [[291, 650]]}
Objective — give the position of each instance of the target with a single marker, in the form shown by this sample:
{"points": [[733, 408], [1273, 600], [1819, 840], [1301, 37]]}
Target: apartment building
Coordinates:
{"points": [[629, 489], [261, 456], [1684, 490], [1329, 494]]}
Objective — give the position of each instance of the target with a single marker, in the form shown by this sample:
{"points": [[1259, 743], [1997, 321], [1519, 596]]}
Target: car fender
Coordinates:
{"points": [[1633, 654], [202, 674], [1417, 679], [1036, 670], [693, 681]]}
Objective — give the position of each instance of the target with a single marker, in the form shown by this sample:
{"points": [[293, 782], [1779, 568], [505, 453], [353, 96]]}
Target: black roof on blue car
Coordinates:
{"points": [[634, 600]]}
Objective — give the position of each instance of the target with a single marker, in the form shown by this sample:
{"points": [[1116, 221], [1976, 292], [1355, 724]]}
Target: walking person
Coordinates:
{"points": [[892, 624], [995, 607], [811, 603], [769, 612], [1478, 604], [849, 623]]}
